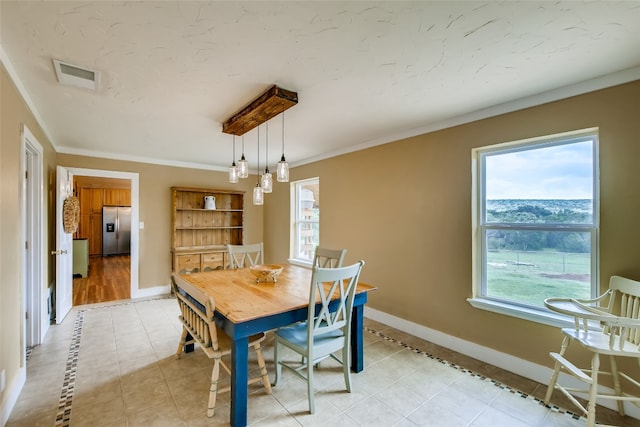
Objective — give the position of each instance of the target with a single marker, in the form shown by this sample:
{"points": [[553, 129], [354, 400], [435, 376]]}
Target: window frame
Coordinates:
{"points": [[296, 221], [480, 227]]}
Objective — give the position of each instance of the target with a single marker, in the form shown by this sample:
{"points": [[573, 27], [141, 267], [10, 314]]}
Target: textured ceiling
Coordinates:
{"points": [[365, 72]]}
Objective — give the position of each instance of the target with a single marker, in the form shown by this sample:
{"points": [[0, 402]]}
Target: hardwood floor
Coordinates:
{"points": [[108, 280]]}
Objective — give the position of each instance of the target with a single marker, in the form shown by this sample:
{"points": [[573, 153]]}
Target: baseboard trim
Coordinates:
{"points": [[533, 371], [151, 292], [12, 394]]}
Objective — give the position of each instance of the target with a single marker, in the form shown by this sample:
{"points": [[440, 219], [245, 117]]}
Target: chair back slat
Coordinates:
{"points": [[335, 289], [626, 299], [241, 256]]}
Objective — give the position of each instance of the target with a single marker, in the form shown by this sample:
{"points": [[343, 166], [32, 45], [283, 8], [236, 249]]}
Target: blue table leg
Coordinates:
{"points": [[357, 339], [189, 347], [239, 381]]}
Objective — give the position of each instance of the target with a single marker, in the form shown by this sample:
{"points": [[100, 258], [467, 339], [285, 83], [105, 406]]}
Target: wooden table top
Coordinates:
{"points": [[239, 298]]}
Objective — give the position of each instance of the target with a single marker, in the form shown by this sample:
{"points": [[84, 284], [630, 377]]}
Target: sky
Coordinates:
{"points": [[556, 172]]}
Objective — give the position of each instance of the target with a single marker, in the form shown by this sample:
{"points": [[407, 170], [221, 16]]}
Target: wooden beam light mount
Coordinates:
{"points": [[272, 102]]}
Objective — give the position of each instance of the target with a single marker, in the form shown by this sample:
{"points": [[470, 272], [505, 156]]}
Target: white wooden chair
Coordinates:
{"points": [[617, 312], [241, 256], [325, 333], [197, 317], [328, 258]]}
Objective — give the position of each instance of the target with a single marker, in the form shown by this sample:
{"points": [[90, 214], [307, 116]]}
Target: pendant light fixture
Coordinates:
{"points": [[282, 174], [263, 108], [233, 169], [243, 164], [258, 195], [267, 178]]}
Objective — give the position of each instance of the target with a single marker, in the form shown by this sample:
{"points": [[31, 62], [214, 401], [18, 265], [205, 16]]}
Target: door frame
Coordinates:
{"points": [[35, 323], [134, 177]]}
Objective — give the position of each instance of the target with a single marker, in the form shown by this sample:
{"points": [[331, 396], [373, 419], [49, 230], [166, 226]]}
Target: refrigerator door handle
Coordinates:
{"points": [[117, 226]]}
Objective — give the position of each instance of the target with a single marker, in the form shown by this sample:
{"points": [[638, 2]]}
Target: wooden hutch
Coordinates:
{"points": [[200, 235]]}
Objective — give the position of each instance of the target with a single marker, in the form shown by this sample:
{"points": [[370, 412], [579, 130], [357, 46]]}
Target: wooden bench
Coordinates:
{"points": [[199, 327]]}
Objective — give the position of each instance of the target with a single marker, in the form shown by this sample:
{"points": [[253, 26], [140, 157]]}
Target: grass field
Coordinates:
{"points": [[530, 277]]}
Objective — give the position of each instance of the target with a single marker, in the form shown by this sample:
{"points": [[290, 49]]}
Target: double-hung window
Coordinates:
{"points": [[535, 223], [305, 211]]}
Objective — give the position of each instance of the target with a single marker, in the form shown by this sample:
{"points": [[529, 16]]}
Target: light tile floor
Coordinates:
{"points": [[114, 365]]}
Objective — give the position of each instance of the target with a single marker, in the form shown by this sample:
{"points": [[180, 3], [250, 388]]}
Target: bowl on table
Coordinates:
{"points": [[266, 272]]}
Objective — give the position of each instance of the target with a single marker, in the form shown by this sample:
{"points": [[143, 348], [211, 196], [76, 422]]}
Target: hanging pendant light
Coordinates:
{"points": [[267, 178], [233, 169], [258, 195], [243, 164], [282, 174]]}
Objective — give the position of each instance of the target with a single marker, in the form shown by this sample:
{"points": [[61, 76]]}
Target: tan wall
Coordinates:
{"points": [[405, 208], [155, 207], [13, 114]]}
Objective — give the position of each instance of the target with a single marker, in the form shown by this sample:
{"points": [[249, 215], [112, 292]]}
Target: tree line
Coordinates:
{"points": [[538, 240]]}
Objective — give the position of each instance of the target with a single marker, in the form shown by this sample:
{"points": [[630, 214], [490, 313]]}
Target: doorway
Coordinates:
{"points": [[37, 312], [115, 276], [102, 260]]}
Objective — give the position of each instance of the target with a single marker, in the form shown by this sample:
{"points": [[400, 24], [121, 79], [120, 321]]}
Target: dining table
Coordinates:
{"points": [[244, 307]]}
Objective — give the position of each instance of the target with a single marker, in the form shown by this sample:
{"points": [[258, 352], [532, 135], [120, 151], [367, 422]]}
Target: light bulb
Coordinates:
{"points": [[233, 173], [258, 195], [243, 167], [282, 174], [267, 181]]}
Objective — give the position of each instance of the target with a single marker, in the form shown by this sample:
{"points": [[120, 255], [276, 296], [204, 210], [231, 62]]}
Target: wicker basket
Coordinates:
{"points": [[71, 214]]}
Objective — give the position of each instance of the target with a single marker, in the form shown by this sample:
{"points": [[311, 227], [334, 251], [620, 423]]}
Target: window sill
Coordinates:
{"points": [[543, 316]]}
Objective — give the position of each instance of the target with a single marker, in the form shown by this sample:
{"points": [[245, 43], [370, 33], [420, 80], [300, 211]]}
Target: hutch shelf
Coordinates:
{"points": [[200, 235]]}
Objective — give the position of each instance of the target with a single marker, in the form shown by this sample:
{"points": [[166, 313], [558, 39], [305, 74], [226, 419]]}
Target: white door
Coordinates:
{"points": [[64, 249]]}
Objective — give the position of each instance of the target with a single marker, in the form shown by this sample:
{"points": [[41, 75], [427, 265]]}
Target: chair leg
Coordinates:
{"points": [[593, 391], [213, 389], [263, 368], [556, 371], [345, 367], [183, 340], [310, 388], [616, 384], [276, 361]]}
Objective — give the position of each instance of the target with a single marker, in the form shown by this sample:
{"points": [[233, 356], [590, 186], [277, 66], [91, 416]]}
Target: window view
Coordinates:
{"points": [[537, 220], [306, 217]]}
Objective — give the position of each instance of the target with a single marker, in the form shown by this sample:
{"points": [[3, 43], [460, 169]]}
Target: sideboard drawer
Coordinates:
{"points": [[213, 261], [187, 263]]}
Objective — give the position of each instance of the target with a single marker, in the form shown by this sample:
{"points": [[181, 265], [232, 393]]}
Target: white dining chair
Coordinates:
{"points": [[241, 256], [325, 333], [328, 258], [617, 312], [198, 322]]}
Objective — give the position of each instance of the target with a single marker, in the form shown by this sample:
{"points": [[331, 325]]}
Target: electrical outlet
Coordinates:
{"points": [[2, 374]]}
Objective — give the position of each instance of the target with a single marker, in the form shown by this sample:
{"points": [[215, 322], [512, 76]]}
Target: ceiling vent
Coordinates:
{"points": [[72, 75]]}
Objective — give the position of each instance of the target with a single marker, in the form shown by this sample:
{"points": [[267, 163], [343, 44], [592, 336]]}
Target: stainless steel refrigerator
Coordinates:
{"points": [[116, 230]]}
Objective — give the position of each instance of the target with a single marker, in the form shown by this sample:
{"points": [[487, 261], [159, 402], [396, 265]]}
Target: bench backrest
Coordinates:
{"points": [[196, 313]]}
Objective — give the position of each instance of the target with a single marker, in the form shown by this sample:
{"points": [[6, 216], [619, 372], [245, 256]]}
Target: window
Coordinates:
{"points": [[535, 222], [305, 206]]}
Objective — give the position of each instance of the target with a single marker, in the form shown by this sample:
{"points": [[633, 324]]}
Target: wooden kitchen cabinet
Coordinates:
{"points": [[95, 242], [117, 197], [200, 236], [91, 200]]}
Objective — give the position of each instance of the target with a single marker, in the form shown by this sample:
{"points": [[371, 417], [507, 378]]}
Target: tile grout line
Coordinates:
{"points": [[63, 416], [553, 408]]}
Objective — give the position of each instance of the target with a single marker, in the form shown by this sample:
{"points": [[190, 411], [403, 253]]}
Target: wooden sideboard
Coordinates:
{"points": [[199, 235]]}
